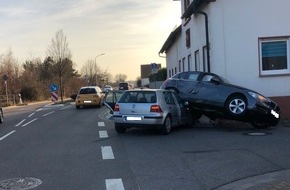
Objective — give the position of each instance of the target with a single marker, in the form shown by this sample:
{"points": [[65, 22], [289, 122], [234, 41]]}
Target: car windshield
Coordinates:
{"points": [[87, 91], [138, 97]]}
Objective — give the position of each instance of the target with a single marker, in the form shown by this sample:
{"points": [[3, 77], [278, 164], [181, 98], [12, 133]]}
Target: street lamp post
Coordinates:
{"points": [[96, 65]]}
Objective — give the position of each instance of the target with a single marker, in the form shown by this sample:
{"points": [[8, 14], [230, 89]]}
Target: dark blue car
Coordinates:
{"points": [[211, 96]]}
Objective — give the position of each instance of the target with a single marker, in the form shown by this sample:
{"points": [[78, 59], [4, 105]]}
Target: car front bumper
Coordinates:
{"points": [[265, 114]]}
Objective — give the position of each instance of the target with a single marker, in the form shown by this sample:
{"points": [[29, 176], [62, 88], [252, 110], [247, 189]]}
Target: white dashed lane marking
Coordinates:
{"points": [[107, 153], [7, 135], [114, 184], [103, 134], [48, 113], [101, 124], [29, 122], [31, 114], [20, 123]]}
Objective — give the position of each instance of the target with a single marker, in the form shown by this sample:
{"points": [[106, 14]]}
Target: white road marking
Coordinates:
{"points": [[103, 134], [7, 135], [101, 124], [29, 122], [107, 152], [31, 114], [20, 123], [114, 184], [48, 113], [65, 108]]}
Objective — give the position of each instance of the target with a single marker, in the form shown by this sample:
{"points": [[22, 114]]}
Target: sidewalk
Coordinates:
{"points": [[279, 180]]}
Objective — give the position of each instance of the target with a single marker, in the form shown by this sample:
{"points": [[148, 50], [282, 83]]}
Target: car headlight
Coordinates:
{"points": [[259, 97]]}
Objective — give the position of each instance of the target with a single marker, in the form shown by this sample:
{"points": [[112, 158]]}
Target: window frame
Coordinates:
{"points": [[278, 71]]}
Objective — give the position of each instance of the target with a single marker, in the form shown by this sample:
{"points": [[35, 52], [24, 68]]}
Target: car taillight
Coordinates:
{"points": [[117, 107], [155, 108]]}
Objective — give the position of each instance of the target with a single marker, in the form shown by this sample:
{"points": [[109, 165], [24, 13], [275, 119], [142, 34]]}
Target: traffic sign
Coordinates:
{"points": [[53, 87], [154, 68], [54, 97]]}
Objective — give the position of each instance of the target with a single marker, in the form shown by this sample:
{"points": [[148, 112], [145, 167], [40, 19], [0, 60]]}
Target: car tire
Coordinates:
{"points": [[1, 117], [236, 106], [166, 127], [78, 107], [120, 128], [100, 103]]}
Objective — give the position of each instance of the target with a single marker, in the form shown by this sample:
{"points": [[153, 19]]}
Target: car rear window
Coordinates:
{"points": [[88, 91], [138, 97]]}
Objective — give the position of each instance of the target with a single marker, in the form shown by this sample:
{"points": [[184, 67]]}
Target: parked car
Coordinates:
{"points": [[89, 96], [143, 108], [125, 86], [211, 95], [1, 115], [107, 88]]}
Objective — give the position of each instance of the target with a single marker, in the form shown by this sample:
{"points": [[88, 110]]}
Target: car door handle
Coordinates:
{"points": [[194, 91]]}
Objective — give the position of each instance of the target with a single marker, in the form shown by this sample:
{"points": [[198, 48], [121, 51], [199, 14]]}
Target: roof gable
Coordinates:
{"points": [[171, 39]]}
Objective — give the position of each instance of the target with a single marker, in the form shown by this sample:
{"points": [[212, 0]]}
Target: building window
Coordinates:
{"points": [[274, 56], [169, 73], [197, 61], [183, 64], [175, 69], [189, 62], [187, 34], [179, 66]]}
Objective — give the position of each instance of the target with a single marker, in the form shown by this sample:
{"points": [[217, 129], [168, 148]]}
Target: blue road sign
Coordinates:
{"points": [[53, 87]]}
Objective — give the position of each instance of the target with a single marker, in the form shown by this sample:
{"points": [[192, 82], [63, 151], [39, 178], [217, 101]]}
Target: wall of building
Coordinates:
{"points": [[235, 27]]}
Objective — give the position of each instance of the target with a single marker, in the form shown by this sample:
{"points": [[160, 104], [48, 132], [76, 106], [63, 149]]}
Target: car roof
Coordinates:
{"points": [[89, 87], [146, 89]]}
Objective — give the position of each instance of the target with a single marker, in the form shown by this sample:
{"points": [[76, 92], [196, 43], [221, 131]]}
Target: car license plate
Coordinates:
{"points": [[87, 101], [130, 118], [275, 114]]}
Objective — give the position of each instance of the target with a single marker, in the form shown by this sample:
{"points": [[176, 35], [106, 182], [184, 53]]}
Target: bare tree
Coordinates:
{"points": [[120, 78], [61, 55]]}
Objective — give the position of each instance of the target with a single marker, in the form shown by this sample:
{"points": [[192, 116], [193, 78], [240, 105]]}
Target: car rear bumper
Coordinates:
{"points": [[138, 121]]}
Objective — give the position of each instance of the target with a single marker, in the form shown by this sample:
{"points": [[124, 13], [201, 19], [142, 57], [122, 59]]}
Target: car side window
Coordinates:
{"points": [[168, 98], [207, 78], [193, 76]]}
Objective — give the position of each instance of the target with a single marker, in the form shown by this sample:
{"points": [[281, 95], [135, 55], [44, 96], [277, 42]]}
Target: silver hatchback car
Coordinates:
{"points": [[141, 108]]}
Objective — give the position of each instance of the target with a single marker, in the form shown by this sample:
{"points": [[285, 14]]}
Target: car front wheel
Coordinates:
{"points": [[236, 106]]}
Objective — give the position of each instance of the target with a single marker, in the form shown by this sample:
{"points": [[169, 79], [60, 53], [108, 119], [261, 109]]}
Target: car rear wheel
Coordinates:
{"points": [[166, 127], [78, 107], [236, 106], [120, 128], [1, 117]]}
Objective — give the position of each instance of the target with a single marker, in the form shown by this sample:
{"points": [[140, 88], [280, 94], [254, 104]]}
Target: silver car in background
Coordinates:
{"points": [[143, 108]]}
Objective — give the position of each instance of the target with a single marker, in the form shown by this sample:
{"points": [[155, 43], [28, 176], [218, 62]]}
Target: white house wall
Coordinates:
{"points": [[234, 29]]}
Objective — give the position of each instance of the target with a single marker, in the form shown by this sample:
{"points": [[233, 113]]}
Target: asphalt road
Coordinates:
{"points": [[60, 147]]}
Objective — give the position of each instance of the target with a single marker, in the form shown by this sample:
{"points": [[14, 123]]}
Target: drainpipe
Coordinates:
{"points": [[207, 38]]}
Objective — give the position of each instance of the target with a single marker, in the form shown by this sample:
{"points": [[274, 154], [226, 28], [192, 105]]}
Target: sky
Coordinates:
{"points": [[130, 33]]}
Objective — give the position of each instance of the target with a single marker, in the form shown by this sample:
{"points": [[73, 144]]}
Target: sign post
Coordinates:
{"points": [[154, 69]]}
